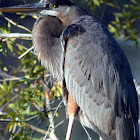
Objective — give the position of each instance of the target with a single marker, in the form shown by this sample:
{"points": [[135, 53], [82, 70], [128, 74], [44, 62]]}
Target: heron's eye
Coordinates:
{"points": [[53, 6]]}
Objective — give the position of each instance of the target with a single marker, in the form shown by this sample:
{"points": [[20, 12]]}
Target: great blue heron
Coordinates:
{"points": [[97, 83]]}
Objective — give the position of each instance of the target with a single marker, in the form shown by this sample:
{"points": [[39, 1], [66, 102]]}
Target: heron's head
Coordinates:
{"points": [[56, 7], [65, 10]]}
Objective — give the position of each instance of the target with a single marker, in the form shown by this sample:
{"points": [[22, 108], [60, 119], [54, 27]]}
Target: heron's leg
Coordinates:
{"points": [[73, 108], [69, 129], [100, 138]]}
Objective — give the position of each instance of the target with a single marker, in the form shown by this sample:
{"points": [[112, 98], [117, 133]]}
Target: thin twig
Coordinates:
{"points": [[86, 131], [2, 113], [19, 78], [4, 75], [24, 1], [26, 52], [20, 46], [5, 120], [103, 11], [29, 119], [16, 133], [7, 103], [57, 108], [52, 134], [52, 120], [13, 131], [36, 129], [17, 24], [16, 35], [12, 79], [60, 123]]}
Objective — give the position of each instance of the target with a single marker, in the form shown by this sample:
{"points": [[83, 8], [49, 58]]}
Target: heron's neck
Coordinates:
{"points": [[46, 40]]}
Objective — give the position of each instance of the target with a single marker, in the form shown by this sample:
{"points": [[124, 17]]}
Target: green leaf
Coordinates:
{"points": [[10, 87], [112, 28], [10, 46], [3, 30], [58, 91], [56, 114], [32, 70], [10, 126], [134, 1], [11, 105], [9, 26], [3, 49], [5, 85], [35, 139], [20, 47], [5, 69], [118, 14], [113, 5], [26, 111], [96, 2], [22, 15], [33, 113], [26, 104]]}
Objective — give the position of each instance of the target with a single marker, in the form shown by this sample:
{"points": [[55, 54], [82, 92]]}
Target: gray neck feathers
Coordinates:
{"points": [[46, 40]]}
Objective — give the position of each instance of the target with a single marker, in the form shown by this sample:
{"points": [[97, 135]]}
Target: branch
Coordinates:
{"points": [[2, 113], [89, 138], [4, 75], [60, 123], [7, 103], [24, 1], [52, 133], [14, 79], [21, 56], [29, 119], [13, 131], [36, 129], [18, 131], [17, 24], [16, 35], [51, 129], [103, 11]]}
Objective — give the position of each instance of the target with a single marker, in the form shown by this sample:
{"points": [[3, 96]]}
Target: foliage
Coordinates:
{"points": [[123, 27], [29, 88], [97, 3]]}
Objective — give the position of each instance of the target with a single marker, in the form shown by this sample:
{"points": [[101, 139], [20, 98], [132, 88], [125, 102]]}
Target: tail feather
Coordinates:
{"points": [[128, 129]]}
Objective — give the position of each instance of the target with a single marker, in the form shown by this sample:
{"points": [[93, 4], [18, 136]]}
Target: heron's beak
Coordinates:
{"points": [[34, 7]]}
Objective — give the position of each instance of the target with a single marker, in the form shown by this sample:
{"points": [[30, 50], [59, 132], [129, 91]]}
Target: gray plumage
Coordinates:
{"points": [[99, 78], [46, 40], [80, 52], [94, 70]]}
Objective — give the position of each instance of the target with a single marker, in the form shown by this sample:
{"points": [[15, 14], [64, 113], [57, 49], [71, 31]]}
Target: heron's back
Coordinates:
{"points": [[98, 77]]}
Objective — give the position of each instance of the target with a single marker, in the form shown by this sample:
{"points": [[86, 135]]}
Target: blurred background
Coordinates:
{"points": [[27, 103]]}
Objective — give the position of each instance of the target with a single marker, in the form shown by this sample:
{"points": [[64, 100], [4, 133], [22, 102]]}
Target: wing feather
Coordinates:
{"points": [[98, 75]]}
